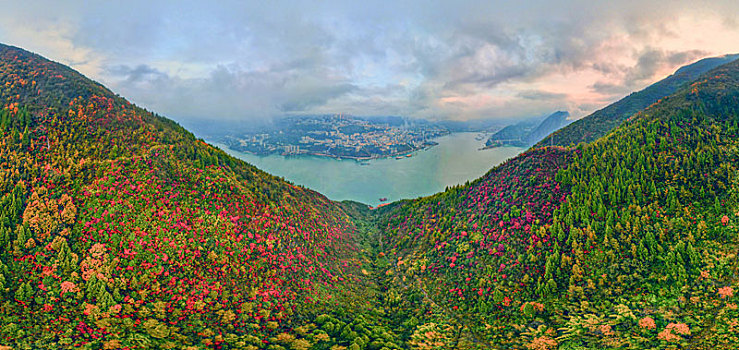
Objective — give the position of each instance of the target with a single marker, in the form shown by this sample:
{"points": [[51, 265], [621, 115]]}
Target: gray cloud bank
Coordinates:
{"points": [[237, 60]]}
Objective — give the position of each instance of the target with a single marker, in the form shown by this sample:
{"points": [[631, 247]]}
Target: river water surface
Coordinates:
{"points": [[454, 161]]}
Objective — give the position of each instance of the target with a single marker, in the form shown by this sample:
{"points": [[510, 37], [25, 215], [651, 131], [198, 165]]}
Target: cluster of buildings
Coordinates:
{"points": [[339, 136]]}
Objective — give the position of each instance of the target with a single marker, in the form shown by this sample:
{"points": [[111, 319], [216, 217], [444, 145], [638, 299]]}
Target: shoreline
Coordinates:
{"points": [[385, 178], [324, 155], [499, 146]]}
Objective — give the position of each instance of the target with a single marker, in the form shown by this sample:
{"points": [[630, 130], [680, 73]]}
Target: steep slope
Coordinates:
{"points": [[527, 133], [629, 242], [464, 248], [120, 229], [511, 135], [598, 124], [549, 125]]}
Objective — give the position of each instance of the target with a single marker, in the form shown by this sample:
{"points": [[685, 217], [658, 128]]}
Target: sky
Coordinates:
{"points": [[252, 60]]}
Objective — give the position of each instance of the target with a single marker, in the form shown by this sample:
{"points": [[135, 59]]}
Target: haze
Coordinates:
{"points": [[457, 60]]}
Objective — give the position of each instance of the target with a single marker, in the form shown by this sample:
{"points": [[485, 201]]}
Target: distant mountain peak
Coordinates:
{"points": [[527, 133]]}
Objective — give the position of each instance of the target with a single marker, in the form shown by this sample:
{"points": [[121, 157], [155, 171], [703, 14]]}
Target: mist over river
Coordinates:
{"points": [[455, 160]]}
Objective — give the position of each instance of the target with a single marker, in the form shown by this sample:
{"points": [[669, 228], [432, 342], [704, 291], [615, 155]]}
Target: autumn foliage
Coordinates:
{"points": [[121, 230]]}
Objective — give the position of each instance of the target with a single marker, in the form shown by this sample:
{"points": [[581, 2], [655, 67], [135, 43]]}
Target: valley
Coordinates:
{"points": [[122, 230], [455, 160]]}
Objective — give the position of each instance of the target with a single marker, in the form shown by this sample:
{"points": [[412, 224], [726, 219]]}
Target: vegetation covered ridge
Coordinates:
{"points": [[628, 242], [601, 122], [120, 229]]}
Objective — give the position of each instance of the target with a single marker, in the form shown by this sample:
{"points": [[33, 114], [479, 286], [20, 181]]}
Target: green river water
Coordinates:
{"points": [[454, 161]]}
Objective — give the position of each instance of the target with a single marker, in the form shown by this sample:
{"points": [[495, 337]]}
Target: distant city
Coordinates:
{"points": [[365, 138], [339, 136]]}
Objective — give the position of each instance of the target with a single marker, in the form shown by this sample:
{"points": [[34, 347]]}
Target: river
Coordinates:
{"points": [[455, 160]]}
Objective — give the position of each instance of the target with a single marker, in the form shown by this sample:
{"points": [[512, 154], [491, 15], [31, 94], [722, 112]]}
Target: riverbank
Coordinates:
{"points": [[428, 145], [499, 146], [453, 161]]}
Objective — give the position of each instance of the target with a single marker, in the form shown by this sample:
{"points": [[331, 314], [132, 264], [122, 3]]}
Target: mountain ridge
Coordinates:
{"points": [[600, 122], [527, 133], [591, 251], [120, 229], [135, 234]]}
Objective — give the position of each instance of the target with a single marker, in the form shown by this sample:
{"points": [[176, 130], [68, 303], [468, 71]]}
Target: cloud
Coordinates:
{"points": [[651, 65], [608, 88], [541, 95], [651, 61], [248, 60], [229, 91], [308, 94], [139, 74]]}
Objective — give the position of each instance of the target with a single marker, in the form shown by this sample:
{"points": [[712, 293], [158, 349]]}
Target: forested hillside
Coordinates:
{"points": [[598, 124], [629, 242], [527, 133], [120, 229]]}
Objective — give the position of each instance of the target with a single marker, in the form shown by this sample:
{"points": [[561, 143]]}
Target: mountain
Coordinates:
{"points": [[512, 135], [120, 229], [593, 126], [627, 242], [527, 133], [549, 125]]}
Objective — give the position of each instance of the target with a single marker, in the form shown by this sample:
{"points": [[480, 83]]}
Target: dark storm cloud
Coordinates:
{"points": [[454, 59]]}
